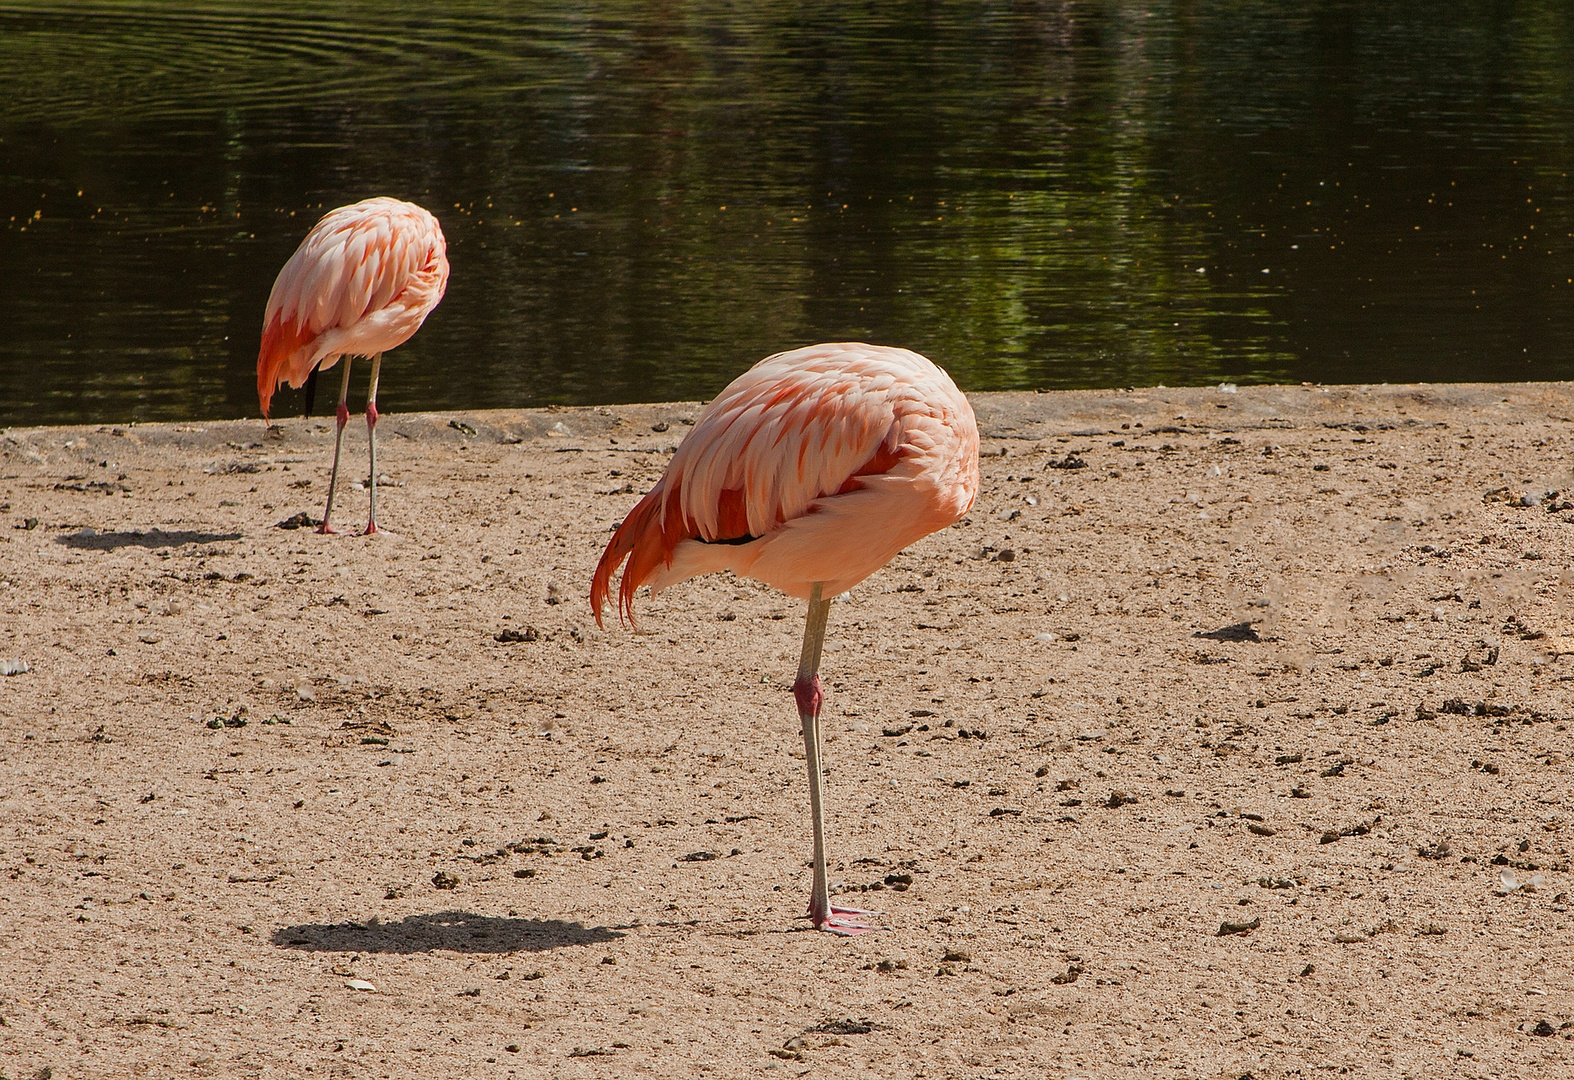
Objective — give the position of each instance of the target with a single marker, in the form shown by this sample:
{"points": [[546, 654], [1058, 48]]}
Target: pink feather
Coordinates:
{"points": [[361, 283], [816, 465]]}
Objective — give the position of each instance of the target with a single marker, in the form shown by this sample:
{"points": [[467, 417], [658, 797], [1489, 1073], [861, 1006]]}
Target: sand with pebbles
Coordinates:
{"points": [[1228, 735]]}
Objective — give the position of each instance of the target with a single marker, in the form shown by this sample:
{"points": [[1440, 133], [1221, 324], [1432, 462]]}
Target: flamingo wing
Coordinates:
{"points": [[765, 483], [362, 282]]}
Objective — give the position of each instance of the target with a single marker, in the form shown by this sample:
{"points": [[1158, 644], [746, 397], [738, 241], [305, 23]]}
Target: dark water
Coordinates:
{"points": [[643, 198]]}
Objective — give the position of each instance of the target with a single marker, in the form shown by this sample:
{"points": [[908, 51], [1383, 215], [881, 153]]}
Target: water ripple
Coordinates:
{"points": [[642, 199], [159, 62]]}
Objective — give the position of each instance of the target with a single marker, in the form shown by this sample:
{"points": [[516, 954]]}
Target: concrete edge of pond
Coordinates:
{"points": [[1219, 409]]}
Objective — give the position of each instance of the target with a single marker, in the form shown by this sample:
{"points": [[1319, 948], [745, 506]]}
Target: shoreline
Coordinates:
{"points": [[1002, 414]]}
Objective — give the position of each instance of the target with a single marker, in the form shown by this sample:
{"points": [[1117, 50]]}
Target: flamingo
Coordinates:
{"points": [[362, 282], [809, 473]]}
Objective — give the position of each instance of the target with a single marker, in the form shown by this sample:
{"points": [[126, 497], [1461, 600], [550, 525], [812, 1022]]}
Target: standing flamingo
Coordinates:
{"points": [[361, 283], [809, 473]]}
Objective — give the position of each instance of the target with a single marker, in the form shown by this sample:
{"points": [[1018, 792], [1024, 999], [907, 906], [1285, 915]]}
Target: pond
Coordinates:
{"points": [[641, 199]]}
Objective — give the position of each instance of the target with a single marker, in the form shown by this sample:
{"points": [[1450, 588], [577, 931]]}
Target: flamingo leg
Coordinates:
{"points": [[338, 444], [810, 695], [371, 440]]}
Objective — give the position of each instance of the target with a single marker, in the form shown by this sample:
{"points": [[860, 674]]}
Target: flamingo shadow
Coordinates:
{"points": [[1241, 631], [453, 931], [90, 540]]}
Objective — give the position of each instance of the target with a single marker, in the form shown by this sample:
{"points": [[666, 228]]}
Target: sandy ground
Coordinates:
{"points": [[249, 765]]}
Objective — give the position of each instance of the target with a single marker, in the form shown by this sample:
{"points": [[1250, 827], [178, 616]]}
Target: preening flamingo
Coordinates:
{"points": [[809, 473], [361, 283]]}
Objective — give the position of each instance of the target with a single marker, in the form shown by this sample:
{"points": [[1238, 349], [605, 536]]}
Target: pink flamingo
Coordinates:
{"points": [[809, 473], [361, 283]]}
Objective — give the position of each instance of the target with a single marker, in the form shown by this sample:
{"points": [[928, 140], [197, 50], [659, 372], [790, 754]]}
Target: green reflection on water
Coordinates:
{"points": [[642, 200]]}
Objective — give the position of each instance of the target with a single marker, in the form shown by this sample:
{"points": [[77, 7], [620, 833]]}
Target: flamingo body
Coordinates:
{"points": [[362, 282], [809, 472], [816, 465]]}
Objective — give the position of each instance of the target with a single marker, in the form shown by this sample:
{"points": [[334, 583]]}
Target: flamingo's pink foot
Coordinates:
{"points": [[844, 922], [328, 530], [373, 530]]}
